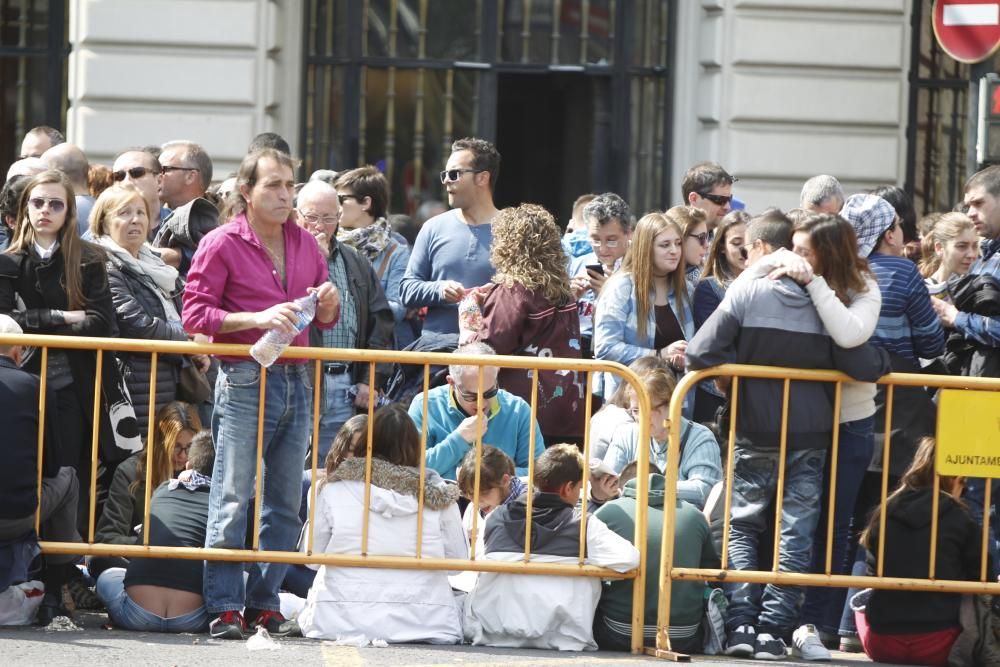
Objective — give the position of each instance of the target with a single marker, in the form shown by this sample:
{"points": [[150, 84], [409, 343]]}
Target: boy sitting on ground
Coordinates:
{"points": [[540, 611]]}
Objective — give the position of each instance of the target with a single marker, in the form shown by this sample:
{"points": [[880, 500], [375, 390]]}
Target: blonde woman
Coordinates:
{"points": [[529, 309], [645, 308], [949, 249]]}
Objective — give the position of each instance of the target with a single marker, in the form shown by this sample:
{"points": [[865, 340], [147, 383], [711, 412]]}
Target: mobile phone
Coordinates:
{"points": [[596, 268]]}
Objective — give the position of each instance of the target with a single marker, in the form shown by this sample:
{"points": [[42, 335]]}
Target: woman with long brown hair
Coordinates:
{"points": [[529, 309], [176, 424], [919, 627], [645, 308], [394, 605], [52, 282]]}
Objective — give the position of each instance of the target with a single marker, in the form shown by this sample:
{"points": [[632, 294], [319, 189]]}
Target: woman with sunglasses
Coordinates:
{"points": [[645, 308], [529, 309], [52, 282], [700, 463], [694, 226], [363, 194], [848, 300], [726, 260]]}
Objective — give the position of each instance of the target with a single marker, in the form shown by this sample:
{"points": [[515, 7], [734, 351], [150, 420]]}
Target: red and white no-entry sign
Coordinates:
{"points": [[967, 30]]}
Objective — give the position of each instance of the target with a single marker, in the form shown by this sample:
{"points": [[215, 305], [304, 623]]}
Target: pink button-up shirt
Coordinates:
{"points": [[231, 272]]}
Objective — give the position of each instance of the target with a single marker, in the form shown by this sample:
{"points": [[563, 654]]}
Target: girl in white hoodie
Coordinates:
{"points": [[399, 606]]}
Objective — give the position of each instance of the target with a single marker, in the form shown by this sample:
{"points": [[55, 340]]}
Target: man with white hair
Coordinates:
{"points": [[29, 166], [366, 321], [822, 194], [18, 493], [454, 417]]}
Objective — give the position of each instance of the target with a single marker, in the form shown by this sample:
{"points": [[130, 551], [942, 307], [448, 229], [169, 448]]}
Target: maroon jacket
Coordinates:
{"points": [[521, 322]]}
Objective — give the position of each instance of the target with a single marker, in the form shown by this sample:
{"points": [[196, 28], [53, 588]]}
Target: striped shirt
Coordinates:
{"points": [[907, 324], [983, 329]]}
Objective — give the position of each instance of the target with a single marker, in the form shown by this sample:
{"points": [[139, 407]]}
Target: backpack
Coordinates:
{"points": [[407, 380]]}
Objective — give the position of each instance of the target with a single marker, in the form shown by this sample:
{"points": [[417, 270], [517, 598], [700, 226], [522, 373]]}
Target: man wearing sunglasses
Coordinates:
{"points": [[452, 250], [709, 187], [142, 170], [455, 417]]}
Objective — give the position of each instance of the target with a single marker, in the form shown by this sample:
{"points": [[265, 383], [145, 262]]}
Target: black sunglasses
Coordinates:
{"points": [[135, 172], [718, 200], [470, 396], [701, 238]]}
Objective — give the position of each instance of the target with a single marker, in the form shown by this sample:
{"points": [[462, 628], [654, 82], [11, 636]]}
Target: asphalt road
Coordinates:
{"points": [[94, 645]]}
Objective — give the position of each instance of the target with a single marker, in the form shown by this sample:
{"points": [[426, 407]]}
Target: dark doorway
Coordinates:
{"points": [[546, 129]]}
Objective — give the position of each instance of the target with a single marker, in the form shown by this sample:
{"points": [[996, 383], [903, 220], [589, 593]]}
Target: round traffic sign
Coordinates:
{"points": [[967, 30]]}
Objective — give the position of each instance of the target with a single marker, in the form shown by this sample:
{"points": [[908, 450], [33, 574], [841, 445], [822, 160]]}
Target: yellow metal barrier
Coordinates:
{"points": [[669, 573], [363, 559]]}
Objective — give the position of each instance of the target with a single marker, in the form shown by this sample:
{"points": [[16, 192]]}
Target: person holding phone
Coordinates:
{"points": [[609, 228]]}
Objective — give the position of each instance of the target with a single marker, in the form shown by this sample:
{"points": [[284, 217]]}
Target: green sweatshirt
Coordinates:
{"points": [[692, 548]]}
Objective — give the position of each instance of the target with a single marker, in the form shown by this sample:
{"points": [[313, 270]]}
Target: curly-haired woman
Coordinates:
{"points": [[530, 310]]}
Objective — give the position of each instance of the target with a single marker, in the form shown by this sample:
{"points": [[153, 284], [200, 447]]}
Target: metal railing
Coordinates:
{"points": [[670, 573], [103, 346]]}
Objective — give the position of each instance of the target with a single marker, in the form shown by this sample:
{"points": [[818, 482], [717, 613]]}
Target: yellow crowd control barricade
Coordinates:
{"points": [[105, 347], [969, 419]]}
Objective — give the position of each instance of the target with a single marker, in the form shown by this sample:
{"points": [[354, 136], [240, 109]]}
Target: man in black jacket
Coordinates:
{"points": [[366, 321], [19, 499], [774, 323]]}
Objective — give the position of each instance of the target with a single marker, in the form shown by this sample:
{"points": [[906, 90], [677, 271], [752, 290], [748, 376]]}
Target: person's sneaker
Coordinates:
{"points": [[228, 625], [272, 621], [807, 645], [769, 647], [741, 642], [851, 644], [83, 597]]}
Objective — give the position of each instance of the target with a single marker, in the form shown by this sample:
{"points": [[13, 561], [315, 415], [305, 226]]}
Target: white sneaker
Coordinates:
{"points": [[806, 644]]}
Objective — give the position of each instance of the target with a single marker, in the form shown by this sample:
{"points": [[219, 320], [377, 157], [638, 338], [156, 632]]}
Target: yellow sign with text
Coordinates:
{"points": [[968, 433]]}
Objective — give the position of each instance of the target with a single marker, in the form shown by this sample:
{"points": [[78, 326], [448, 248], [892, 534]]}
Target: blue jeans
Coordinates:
{"points": [[125, 613], [823, 606], [338, 407], [287, 422], [773, 609]]}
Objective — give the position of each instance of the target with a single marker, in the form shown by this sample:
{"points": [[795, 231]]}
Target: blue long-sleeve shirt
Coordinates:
{"points": [[980, 328], [445, 249], [907, 324], [508, 429]]}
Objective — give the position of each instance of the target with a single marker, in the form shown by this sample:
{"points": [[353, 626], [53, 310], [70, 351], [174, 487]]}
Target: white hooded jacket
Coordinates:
{"points": [[395, 605]]}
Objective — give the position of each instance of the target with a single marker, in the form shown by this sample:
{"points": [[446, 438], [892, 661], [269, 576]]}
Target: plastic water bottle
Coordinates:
{"points": [[274, 341]]}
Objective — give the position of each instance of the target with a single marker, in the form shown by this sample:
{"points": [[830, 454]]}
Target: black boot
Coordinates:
{"points": [[54, 576]]}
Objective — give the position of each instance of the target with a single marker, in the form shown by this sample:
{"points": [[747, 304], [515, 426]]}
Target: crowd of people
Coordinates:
{"points": [[161, 251]]}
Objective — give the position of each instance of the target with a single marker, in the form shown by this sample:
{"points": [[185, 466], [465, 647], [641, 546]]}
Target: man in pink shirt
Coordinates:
{"points": [[242, 282]]}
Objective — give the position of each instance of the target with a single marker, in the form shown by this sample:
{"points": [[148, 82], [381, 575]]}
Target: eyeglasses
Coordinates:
{"points": [[701, 238], [634, 412], [718, 200], [343, 198], [471, 396], [452, 175], [607, 244], [55, 205], [135, 172], [166, 169], [314, 219]]}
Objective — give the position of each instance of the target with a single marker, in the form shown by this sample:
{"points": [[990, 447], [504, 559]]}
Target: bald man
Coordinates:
{"points": [[70, 160]]}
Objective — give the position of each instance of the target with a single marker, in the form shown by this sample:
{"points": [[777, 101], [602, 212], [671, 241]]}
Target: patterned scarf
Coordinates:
{"points": [[190, 480], [370, 240]]}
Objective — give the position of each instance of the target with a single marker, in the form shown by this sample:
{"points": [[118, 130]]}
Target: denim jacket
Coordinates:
{"points": [[616, 334]]}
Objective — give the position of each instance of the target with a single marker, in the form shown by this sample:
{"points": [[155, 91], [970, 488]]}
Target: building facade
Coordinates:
{"points": [[579, 95]]}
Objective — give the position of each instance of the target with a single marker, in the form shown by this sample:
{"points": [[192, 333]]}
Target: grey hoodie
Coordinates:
{"points": [[774, 323]]}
